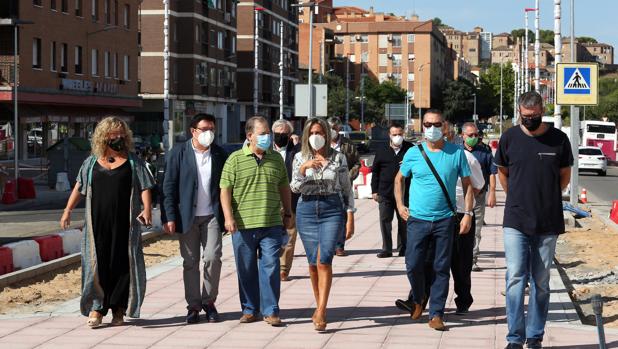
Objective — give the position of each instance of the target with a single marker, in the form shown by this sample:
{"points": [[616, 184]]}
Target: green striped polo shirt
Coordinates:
{"points": [[256, 201]]}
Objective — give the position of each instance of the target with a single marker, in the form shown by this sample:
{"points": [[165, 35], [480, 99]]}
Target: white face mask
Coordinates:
{"points": [[316, 142], [397, 140], [206, 138], [433, 134], [333, 134]]}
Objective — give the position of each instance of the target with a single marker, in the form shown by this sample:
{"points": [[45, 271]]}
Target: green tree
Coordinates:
{"points": [[586, 39], [520, 33], [457, 100], [377, 95], [488, 97], [336, 95], [546, 36], [438, 22], [608, 100]]}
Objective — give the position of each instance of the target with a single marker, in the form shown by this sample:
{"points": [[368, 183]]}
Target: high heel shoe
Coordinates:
{"points": [[94, 319], [318, 324]]}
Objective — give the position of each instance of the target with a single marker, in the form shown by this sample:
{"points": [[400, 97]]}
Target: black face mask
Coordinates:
{"points": [[116, 144], [532, 124], [282, 139]]}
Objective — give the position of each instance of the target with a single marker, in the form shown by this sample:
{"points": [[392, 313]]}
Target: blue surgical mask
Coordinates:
{"points": [[263, 142], [433, 134]]}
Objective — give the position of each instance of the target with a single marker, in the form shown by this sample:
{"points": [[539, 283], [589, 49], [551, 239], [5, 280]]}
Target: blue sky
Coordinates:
{"points": [[595, 18]]}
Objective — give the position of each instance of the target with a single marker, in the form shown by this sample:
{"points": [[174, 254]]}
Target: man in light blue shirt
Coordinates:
{"points": [[429, 215]]}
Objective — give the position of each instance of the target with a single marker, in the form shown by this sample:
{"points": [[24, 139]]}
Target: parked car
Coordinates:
{"points": [[359, 138], [592, 159]]}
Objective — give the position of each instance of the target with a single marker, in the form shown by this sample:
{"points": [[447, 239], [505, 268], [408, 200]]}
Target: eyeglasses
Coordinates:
{"points": [[434, 124], [472, 135], [202, 129]]}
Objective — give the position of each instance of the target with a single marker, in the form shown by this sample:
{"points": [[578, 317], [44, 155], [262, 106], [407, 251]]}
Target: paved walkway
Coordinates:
{"points": [[361, 309]]}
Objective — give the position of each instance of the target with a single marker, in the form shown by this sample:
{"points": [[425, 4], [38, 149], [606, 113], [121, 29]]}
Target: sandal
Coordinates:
{"points": [[95, 319], [118, 317], [318, 325]]}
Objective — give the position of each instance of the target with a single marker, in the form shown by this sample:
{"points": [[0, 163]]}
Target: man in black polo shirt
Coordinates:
{"points": [[534, 163], [383, 171]]}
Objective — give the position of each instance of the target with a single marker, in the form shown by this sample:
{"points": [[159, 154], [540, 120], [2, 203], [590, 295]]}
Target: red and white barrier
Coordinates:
{"points": [[71, 241], [362, 183], [25, 253]]}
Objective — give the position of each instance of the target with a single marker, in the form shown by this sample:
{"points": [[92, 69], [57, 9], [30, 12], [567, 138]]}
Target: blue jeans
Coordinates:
{"points": [[421, 235], [527, 256], [319, 220], [256, 252]]}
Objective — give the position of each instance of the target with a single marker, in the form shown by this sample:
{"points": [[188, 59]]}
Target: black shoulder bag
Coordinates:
{"points": [[442, 186]]}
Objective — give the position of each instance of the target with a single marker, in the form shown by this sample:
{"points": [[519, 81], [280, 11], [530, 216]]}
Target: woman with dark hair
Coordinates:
{"points": [[115, 183], [320, 175]]}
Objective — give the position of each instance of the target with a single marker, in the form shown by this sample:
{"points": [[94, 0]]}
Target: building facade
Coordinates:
{"points": [[77, 63], [275, 18], [202, 65]]}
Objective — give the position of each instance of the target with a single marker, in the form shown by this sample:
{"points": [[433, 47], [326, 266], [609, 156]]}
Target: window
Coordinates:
{"points": [[64, 64], [115, 12], [352, 58], [364, 38], [36, 53], [590, 151], [220, 40], [410, 38], [396, 40], [115, 65], [364, 57], [383, 59], [174, 31], [383, 41], [411, 56], [37, 2], [397, 59], [107, 11], [52, 5], [472, 50], [78, 60], [78, 8], [197, 33], [213, 76], [127, 13], [213, 38], [382, 77], [410, 76], [126, 68], [95, 10], [52, 57], [106, 62], [64, 6], [601, 129], [94, 62]]}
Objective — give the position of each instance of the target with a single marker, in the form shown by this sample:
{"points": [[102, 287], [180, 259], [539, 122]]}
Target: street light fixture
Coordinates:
{"points": [[15, 23]]}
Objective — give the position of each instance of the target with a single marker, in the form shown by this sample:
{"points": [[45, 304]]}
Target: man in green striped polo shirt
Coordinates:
{"points": [[254, 187]]}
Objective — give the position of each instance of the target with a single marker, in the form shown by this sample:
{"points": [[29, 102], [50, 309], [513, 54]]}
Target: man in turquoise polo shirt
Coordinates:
{"points": [[430, 217], [254, 187]]}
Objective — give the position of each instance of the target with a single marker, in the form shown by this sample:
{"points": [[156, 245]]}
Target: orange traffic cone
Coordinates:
{"points": [[583, 198]]}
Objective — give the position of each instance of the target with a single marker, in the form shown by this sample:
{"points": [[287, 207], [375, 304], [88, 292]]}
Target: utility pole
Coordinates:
{"points": [[321, 70], [574, 122], [281, 70], [310, 71], [537, 50], [501, 111], [527, 66], [558, 57], [347, 90], [362, 95], [168, 124], [256, 62]]}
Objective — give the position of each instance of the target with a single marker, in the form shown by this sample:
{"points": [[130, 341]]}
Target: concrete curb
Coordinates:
{"points": [[46, 267]]}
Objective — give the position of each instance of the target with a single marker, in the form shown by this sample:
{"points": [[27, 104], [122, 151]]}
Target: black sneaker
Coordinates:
{"points": [[193, 317], [402, 253], [406, 305], [514, 346], [211, 312], [462, 311], [384, 254], [533, 343]]}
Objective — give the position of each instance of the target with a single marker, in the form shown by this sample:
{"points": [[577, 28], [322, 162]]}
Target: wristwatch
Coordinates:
{"points": [[469, 213]]}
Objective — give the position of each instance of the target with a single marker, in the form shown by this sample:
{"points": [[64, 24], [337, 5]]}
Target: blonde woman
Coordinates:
{"points": [[115, 183], [320, 175]]}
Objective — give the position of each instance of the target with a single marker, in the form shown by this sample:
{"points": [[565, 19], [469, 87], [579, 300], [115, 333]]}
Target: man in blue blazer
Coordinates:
{"points": [[191, 208]]}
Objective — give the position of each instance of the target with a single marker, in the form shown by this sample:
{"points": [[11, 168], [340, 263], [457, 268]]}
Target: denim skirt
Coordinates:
{"points": [[319, 219]]}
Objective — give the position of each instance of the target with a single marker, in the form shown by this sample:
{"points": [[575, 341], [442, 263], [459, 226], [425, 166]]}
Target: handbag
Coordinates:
{"points": [[442, 186]]}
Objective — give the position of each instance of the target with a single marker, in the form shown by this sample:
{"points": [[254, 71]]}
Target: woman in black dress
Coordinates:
{"points": [[114, 182]]}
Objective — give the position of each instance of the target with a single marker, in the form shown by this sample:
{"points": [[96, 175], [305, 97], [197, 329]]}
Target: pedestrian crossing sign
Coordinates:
{"points": [[577, 83]]}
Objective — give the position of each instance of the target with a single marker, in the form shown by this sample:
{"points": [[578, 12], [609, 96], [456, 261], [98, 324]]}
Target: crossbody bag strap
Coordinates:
{"points": [[435, 174]]}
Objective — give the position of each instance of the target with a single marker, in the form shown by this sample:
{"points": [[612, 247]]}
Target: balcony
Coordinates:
{"points": [[6, 73]]}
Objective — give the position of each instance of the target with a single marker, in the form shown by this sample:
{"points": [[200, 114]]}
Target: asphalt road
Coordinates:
{"points": [[601, 191]]}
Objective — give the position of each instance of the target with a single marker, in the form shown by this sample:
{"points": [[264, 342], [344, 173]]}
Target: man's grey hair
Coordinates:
{"points": [[250, 125], [284, 122], [469, 124], [530, 100], [334, 121]]}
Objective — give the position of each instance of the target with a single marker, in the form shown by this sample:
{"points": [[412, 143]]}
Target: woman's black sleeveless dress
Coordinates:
{"points": [[111, 205]]}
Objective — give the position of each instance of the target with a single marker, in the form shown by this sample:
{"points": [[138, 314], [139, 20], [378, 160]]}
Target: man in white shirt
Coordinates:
{"points": [[191, 208]]}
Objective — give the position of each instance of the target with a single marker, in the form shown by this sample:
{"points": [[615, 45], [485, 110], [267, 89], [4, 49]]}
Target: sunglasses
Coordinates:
{"points": [[434, 124]]}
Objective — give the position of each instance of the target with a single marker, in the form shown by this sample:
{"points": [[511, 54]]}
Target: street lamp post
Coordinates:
{"points": [[310, 5], [347, 90], [362, 96], [281, 70], [474, 117], [558, 56], [537, 50], [420, 93], [574, 121], [256, 62], [501, 90], [15, 23]]}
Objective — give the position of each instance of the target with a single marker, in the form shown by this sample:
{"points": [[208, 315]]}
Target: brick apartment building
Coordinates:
{"points": [[76, 64], [467, 44], [202, 65], [270, 14], [411, 52]]}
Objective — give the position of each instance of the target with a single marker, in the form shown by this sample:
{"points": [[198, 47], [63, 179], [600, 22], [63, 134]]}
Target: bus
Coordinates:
{"points": [[600, 134]]}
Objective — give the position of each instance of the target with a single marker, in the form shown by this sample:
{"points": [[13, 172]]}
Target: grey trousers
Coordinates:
{"points": [[479, 214], [203, 239]]}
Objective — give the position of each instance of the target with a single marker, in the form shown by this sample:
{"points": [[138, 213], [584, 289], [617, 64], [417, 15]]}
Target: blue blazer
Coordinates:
{"points": [[179, 192]]}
